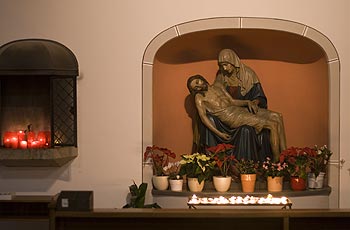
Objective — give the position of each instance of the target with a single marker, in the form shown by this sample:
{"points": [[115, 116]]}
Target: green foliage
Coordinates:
{"points": [[246, 166], [138, 195], [320, 161], [196, 165]]}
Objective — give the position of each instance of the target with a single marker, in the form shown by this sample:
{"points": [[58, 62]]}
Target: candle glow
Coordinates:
{"points": [[268, 200]]}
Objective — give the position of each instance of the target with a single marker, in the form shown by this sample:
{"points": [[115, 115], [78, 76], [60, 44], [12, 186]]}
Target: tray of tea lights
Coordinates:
{"points": [[269, 200]]}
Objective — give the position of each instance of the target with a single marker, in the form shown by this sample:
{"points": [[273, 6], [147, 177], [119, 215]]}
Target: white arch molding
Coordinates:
{"points": [[251, 23]]}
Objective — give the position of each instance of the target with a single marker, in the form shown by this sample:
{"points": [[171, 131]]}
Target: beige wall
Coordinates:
{"points": [[109, 38]]}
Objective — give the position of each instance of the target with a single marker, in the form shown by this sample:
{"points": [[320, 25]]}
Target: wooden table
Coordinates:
{"points": [[213, 219]]}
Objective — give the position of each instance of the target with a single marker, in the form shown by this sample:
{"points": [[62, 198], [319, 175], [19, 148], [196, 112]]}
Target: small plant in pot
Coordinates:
{"points": [[175, 179], [197, 167], [160, 158], [319, 166], [319, 162], [247, 170], [298, 161], [274, 173], [223, 158]]}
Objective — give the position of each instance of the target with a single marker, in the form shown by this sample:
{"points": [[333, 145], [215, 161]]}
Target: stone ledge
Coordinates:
{"points": [[236, 190], [44, 157]]}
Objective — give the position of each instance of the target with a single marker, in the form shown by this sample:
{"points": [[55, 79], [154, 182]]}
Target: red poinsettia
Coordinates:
{"points": [[160, 158], [222, 154], [298, 160]]}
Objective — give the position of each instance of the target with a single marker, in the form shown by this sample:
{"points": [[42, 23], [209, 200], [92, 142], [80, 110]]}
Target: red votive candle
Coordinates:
{"points": [[14, 142], [30, 138], [35, 144], [48, 138], [21, 136], [23, 144], [7, 139], [42, 139]]}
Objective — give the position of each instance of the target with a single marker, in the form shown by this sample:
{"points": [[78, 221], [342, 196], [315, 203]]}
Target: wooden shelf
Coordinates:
{"points": [[45, 157], [25, 208]]}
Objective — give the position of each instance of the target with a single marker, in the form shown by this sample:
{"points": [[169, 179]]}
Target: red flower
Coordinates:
{"points": [[160, 158], [298, 160], [223, 156]]}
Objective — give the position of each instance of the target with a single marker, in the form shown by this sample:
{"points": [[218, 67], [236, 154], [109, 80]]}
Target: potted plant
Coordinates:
{"points": [[298, 161], [197, 167], [175, 179], [138, 197], [222, 155], [247, 170], [160, 158], [318, 166], [274, 172]]}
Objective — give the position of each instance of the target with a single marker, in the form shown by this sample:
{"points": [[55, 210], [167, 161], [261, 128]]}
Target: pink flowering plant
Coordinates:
{"points": [[274, 169]]}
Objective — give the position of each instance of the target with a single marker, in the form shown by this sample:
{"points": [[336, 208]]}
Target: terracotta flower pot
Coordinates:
{"points": [[274, 184], [248, 182]]}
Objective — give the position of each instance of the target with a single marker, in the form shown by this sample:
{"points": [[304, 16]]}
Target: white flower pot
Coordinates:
{"points": [[176, 185], [194, 186], [222, 184], [160, 182], [316, 182]]}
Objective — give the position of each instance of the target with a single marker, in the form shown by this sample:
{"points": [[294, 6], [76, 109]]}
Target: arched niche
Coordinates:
{"points": [[297, 65]]}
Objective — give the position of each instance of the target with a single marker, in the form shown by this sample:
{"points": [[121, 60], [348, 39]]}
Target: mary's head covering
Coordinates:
{"points": [[246, 75], [229, 56]]}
